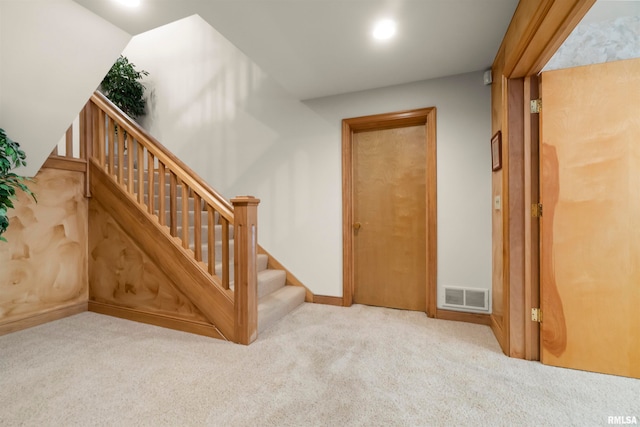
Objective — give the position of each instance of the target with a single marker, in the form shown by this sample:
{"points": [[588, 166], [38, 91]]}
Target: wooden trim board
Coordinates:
{"points": [[156, 319], [424, 116], [461, 316], [498, 331], [531, 225], [321, 299], [64, 163], [514, 234], [41, 318], [538, 28]]}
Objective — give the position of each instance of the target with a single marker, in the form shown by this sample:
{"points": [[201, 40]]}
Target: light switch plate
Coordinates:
{"points": [[497, 203]]}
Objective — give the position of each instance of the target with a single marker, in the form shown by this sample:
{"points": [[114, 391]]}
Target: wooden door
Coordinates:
{"points": [[389, 212], [590, 228]]}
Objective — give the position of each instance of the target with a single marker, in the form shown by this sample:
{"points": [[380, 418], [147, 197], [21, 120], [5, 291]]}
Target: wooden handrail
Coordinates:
{"points": [[137, 162], [182, 171]]}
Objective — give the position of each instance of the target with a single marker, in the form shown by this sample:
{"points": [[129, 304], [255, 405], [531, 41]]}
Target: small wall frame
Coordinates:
{"points": [[496, 151]]}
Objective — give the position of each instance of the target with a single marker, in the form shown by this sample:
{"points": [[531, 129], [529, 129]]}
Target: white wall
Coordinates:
{"points": [[238, 129], [235, 126], [464, 165], [54, 53]]}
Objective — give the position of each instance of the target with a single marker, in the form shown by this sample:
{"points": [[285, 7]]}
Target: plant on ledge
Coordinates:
{"points": [[11, 157], [122, 86]]}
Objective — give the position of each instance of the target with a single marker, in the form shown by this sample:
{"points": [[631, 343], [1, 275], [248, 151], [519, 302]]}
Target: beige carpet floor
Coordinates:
{"points": [[320, 366]]}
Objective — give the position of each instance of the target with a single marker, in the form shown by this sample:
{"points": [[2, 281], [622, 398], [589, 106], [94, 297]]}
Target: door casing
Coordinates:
{"points": [[535, 33], [424, 116]]}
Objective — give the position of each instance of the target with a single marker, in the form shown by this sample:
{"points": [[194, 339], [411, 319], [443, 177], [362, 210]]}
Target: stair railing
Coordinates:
{"points": [[137, 162]]}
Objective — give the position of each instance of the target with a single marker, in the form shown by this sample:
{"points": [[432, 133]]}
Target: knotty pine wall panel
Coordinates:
{"points": [[43, 267]]}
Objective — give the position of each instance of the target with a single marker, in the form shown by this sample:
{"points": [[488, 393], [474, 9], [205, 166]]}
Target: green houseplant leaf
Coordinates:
{"points": [[11, 157], [123, 87]]}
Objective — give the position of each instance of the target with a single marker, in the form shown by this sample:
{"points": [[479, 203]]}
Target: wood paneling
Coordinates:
{"points": [[215, 303], [591, 219], [43, 267], [122, 275], [388, 121]]}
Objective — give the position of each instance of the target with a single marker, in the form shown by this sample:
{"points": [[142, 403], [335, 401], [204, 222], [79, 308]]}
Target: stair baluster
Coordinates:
{"points": [[125, 160], [132, 159]]}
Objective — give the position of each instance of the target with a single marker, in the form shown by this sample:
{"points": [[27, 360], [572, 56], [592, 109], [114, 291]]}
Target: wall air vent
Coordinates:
{"points": [[467, 299]]}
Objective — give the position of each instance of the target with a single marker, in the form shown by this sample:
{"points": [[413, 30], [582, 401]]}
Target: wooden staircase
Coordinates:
{"points": [[275, 298], [204, 245]]}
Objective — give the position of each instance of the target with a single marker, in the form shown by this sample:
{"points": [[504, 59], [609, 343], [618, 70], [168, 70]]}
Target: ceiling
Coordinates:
{"points": [[316, 48]]}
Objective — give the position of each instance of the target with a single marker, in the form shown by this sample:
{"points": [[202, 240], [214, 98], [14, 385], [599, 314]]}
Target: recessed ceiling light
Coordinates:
{"points": [[129, 3], [384, 29]]}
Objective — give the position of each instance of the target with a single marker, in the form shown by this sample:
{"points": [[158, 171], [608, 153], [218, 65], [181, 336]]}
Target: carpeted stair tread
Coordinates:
{"points": [[217, 247], [269, 281], [167, 202], [275, 299], [277, 304], [262, 260], [203, 217], [204, 233]]}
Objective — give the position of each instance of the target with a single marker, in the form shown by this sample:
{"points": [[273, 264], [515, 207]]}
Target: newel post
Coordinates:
{"points": [[245, 229], [86, 141]]}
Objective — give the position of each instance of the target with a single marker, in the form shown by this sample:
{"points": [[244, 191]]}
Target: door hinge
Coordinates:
{"points": [[536, 106], [536, 315], [536, 210]]}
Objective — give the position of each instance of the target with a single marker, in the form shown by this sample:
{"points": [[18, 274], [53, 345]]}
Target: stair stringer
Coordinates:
{"points": [[177, 263]]}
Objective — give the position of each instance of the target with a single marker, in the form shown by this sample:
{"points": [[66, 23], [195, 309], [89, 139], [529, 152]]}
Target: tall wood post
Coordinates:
{"points": [[245, 269], [86, 141]]}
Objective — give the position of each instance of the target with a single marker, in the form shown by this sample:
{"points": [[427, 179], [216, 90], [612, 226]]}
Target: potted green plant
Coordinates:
{"points": [[123, 87], [11, 157]]}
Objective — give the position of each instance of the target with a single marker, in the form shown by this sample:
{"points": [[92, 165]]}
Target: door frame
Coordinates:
{"points": [[538, 28], [531, 170], [418, 117]]}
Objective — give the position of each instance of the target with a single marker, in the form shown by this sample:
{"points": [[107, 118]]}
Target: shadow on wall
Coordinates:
{"points": [[243, 133]]}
